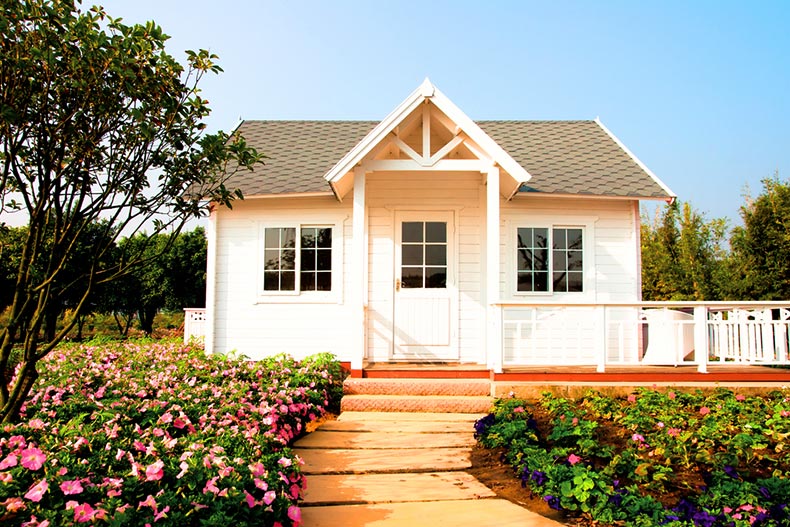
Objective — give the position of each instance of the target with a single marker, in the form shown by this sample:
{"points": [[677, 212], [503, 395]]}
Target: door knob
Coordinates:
{"points": [[397, 284]]}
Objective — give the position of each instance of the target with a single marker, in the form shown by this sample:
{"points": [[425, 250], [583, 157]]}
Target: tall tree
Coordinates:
{"points": [[761, 247], [683, 255], [97, 121]]}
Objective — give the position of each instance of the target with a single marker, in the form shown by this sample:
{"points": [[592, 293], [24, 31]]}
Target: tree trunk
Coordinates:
{"points": [[28, 374], [51, 323], [146, 317]]}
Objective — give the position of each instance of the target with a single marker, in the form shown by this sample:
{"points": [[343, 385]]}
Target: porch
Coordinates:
{"points": [[615, 343]]}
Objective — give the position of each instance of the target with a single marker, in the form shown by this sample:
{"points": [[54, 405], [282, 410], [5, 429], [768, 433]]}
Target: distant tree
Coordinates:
{"points": [[173, 277], [761, 247], [97, 121], [683, 255]]}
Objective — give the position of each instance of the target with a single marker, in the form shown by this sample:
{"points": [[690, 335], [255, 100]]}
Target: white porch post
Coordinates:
{"points": [[211, 280], [701, 338], [493, 320], [358, 298]]}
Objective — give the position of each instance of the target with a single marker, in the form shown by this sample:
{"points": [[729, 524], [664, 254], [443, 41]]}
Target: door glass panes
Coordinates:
{"points": [[533, 259], [423, 254], [316, 259], [567, 267], [279, 254]]}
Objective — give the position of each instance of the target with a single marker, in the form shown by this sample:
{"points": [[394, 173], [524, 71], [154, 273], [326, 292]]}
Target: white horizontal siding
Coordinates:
{"points": [[254, 327]]}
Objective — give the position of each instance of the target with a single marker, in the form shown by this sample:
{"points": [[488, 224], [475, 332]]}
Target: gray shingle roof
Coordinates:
{"points": [[563, 157]]}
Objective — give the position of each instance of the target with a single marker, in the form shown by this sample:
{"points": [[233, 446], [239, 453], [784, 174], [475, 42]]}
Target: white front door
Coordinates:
{"points": [[426, 291]]}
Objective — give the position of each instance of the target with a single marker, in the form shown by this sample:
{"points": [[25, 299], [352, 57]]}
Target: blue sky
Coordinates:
{"points": [[699, 91]]}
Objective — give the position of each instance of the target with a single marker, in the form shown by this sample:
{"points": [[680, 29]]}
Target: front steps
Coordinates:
{"points": [[470, 396]]}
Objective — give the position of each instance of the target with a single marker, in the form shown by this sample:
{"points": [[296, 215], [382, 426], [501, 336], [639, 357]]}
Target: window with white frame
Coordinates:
{"points": [[297, 259], [550, 259]]}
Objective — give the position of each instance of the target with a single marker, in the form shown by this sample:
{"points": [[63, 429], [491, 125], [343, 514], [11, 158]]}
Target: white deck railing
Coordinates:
{"points": [[194, 324], [646, 333]]}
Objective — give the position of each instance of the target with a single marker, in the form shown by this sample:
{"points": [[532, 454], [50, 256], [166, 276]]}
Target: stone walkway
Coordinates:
{"points": [[392, 469]]}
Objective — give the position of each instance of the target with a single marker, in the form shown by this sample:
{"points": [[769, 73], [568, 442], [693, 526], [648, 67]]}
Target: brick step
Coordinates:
{"points": [[477, 404], [466, 387]]}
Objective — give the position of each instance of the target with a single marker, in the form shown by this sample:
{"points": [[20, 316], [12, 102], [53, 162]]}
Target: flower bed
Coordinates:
{"points": [[653, 458], [161, 434]]}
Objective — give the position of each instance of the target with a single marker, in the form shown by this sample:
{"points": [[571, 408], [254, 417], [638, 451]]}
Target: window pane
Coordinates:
{"points": [[307, 281], [525, 238], [436, 277], [288, 237], [271, 259], [411, 255], [325, 238], [324, 281], [435, 255], [524, 260], [541, 259], [271, 238], [541, 238], [560, 262], [324, 260], [308, 238], [559, 239], [574, 239], [411, 231], [271, 281], [575, 282], [541, 281], [288, 259], [525, 281], [436, 232], [411, 277], [287, 281], [575, 261], [308, 259], [560, 283]]}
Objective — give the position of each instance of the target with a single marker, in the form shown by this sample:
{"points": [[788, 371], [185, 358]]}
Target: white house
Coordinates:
{"points": [[430, 237]]}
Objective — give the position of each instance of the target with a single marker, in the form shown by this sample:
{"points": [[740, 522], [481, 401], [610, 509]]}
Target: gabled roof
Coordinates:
{"points": [[563, 157]]}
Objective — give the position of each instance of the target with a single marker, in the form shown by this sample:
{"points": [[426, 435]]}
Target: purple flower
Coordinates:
{"points": [[553, 501], [765, 492], [483, 424], [730, 471], [539, 477]]}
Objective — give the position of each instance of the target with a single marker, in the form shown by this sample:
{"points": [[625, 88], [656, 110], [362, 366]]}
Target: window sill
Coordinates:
{"points": [[296, 298]]}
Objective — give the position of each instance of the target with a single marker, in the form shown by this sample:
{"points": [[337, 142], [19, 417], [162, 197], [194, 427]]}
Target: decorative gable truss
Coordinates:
{"points": [[427, 132]]}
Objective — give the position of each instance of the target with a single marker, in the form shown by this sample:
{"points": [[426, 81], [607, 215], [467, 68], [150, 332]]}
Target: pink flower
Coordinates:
{"points": [[674, 432], [704, 410], [632, 398], [83, 513], [35, 523], [284, 461], [573, 459], [260, 484], [148, 502], [179, 423], [671, 395], [71, 487], [10, 461], [257, 469], [32, 458], [269, 497], [740, 397], [251, 502], [295, 513], [13, 504], [211, 486], [36, 424], [638, 437], [37, 491], [162, 514], [518, 410], [154, 471]]}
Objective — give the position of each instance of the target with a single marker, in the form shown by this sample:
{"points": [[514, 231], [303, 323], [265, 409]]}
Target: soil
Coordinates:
{"points": [[491, 471]]}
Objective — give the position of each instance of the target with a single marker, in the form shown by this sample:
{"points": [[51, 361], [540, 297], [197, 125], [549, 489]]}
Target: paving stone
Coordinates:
{"points": [[456, 513], [382, 425], [416, 403], [403, 417], [352, 386], [348, 461], [349, 489], [377, 440]]}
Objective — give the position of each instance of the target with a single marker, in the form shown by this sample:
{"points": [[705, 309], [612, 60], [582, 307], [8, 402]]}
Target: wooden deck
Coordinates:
{"points": [[724, 374]]}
